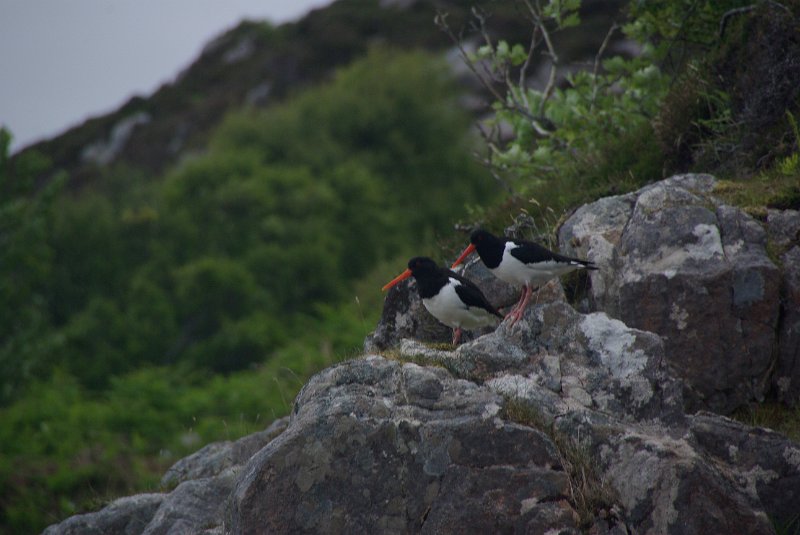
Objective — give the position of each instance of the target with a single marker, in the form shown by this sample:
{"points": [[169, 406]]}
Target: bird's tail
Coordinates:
{"points": [[583, 263]]}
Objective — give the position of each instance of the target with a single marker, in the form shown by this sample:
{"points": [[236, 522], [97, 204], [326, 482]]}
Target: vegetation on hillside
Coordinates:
{"points": [[694, 99], [147, 315]]}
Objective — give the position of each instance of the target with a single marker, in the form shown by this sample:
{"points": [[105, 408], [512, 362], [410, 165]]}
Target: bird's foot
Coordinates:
{"points": [[515, 316], [519, 309], [456, 336]]}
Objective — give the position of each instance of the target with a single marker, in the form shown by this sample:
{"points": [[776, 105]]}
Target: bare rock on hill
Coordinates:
{"points": [[377, 446], [784, 234], [559, 360], [567, 422], [217, 457], [563, 422], [194, 505], [676, 261], [124, 516]]}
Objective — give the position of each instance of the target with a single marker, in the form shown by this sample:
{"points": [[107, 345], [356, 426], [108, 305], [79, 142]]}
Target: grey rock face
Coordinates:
{"points": [[559, 360], [675, 261], [787, 374], [765, 462], [666, 486], [607, 388], [784, 234], [784, 228], [193, 506], [125, 516], [216, 457], [377, 446], [202, 483]]}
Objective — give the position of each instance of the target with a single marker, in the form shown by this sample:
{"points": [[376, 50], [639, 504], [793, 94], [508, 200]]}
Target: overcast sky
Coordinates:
{"points": [[62, 61]]}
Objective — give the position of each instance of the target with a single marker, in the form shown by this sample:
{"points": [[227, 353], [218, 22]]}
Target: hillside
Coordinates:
{"points": [[564, 422], [175, 273], [258, 65]]}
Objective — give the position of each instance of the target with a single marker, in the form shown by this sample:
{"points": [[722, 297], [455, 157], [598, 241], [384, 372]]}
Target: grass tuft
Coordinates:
{"points": [[421, 360], [588, 493], [773, 415], [768, 190]]}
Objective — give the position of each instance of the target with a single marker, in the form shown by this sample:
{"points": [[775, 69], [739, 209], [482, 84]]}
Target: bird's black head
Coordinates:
{"points": [[480, 236], [421, 265]]}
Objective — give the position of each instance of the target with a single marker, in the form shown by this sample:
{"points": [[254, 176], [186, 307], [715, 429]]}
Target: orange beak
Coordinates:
{"points": [[468, 251], [401, 277]]}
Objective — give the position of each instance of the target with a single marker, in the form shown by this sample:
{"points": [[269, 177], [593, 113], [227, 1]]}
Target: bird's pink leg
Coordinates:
{"points": [[519, 311], [516, 305], [456, 335]]}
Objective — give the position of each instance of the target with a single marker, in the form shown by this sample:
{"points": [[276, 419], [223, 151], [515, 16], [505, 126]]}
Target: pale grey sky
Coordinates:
{"points": [[62, 61]]}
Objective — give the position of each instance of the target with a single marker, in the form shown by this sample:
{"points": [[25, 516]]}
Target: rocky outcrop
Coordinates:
{"points": [[677, 261], [125, 516], [202, 483], [784, 234], [604, 388], [562, 423], [378, 446], [217, 457]]}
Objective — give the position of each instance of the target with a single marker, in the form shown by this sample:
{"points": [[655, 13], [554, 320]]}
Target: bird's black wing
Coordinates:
{"points": [[471, 295], [533, 253]]}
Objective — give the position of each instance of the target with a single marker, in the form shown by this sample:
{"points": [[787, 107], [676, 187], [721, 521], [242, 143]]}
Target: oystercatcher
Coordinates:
{"points": [[520, 263], [449, 297]]}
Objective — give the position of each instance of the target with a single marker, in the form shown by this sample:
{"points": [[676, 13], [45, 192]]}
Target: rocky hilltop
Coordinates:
{"points": [[607, 420], [256, 65]]}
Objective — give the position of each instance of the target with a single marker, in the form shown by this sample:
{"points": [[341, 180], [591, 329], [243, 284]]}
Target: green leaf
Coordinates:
{"points": [[502, 50], [570, 20], [518, 55]]}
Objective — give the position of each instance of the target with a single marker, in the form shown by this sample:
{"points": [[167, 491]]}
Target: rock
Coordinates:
{"points": [[666, 486], [568, 421], [558, 360], [676, 261], [564, 423], [104, 151], [193, 506], [125, 516], [783, 227], [377, 446], [765, 462], [578, 373], [216, 457], [203, 482], [787, 373], [592, 232]]}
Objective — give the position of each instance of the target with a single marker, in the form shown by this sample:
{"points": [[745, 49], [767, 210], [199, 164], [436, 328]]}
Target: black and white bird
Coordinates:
{"points": [[520, 263], [449, 297]]}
